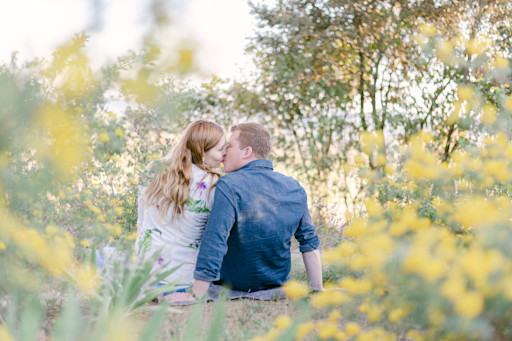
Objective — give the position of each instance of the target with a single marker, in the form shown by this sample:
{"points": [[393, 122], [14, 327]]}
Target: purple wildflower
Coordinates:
{"points": [[202, 186], [160, 260]]}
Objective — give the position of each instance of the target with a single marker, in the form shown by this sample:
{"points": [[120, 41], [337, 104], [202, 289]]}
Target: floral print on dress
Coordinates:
{"points": [[197, 206], [202, 186]]}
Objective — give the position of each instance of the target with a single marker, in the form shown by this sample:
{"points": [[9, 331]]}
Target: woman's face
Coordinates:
{"points": [[213, 158]]}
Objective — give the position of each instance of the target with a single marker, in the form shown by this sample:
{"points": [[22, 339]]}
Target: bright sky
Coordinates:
{"points": [[35, 27]]}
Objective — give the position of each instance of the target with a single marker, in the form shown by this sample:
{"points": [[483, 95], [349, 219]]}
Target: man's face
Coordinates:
{"points": [[233, 159]]}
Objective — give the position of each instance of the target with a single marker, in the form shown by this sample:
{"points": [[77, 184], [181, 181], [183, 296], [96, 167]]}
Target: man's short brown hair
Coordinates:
{"points": [[256, 136]]}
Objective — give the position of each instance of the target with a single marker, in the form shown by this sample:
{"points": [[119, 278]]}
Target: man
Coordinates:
{"points": [[256, 211]]}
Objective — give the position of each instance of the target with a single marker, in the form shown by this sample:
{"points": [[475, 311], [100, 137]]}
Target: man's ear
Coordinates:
{"points": [[247, 152]]}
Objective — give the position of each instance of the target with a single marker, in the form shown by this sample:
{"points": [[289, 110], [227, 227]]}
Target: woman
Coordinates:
{"points": [[178, 200]]}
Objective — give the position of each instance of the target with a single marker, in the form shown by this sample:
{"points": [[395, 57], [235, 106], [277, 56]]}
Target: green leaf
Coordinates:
{"points": [[193, 326], [69, 324], [217, 322], [30, 321], [152, 327]]}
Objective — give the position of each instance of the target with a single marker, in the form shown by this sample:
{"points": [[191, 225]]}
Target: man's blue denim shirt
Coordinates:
{"points": [[246, 242]]}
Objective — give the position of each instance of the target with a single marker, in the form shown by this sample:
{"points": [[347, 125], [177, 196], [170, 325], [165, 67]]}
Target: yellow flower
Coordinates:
{"points": [[373, 207], [326, 329], [2, 245], [341, 336], [259, 338], [85, 243], [465, 92], [104, 136], [374, 313], [469, 304], [334, 316], [453, 287], [436, 318], [428, 29], [355, 285], [414, 335], [479, 264], [489, 114], [65, 145], [361, 160], [86, 279], [119, 328], [132, 236], [421, 39], [119, 132], [498, 168], [380, 160], [501, 63], [304, 329], [356, 229], [444, 51], [4, 334], [352, 329], [477, 46], [329, 297], [397, 314], [51, 230], [508, 103], [295, 289], [283, 322]]}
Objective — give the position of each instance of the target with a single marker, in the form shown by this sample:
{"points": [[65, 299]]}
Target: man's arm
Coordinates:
{"points": [[313, 266], [200, 288], [308, 246], [214, 242]]}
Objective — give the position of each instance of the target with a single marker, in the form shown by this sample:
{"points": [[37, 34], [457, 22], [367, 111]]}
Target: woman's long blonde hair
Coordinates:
{"points": [[171, 184]]}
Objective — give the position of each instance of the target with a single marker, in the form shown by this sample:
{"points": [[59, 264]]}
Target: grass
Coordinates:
{"points": [[243, 319]]}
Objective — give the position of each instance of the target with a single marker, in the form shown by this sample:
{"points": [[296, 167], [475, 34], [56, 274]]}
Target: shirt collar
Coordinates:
{"points": [[260, 163]]}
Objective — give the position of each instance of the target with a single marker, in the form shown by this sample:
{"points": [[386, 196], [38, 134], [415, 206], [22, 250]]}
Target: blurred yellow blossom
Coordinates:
{"points": [[397, 314], [352, 328], [295, 289], [51, 230], [469, 304], [86, 279], [414, 335], [132, 236], [444, 51], [104, 137], [478, 45], [501, 63], [355, 285], [4, 334], [428, 29], [328, 297], [304, 329], [119, 132], [283, 322], [334, 316], [453, 286], [356, 229], [62, 142], [508, 103], [85, 243], [465, 92], [489, 114], [326, 329]]}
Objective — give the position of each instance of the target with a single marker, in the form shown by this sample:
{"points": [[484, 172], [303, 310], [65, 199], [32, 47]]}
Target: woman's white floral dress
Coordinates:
{"points": [[177, 241]]}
